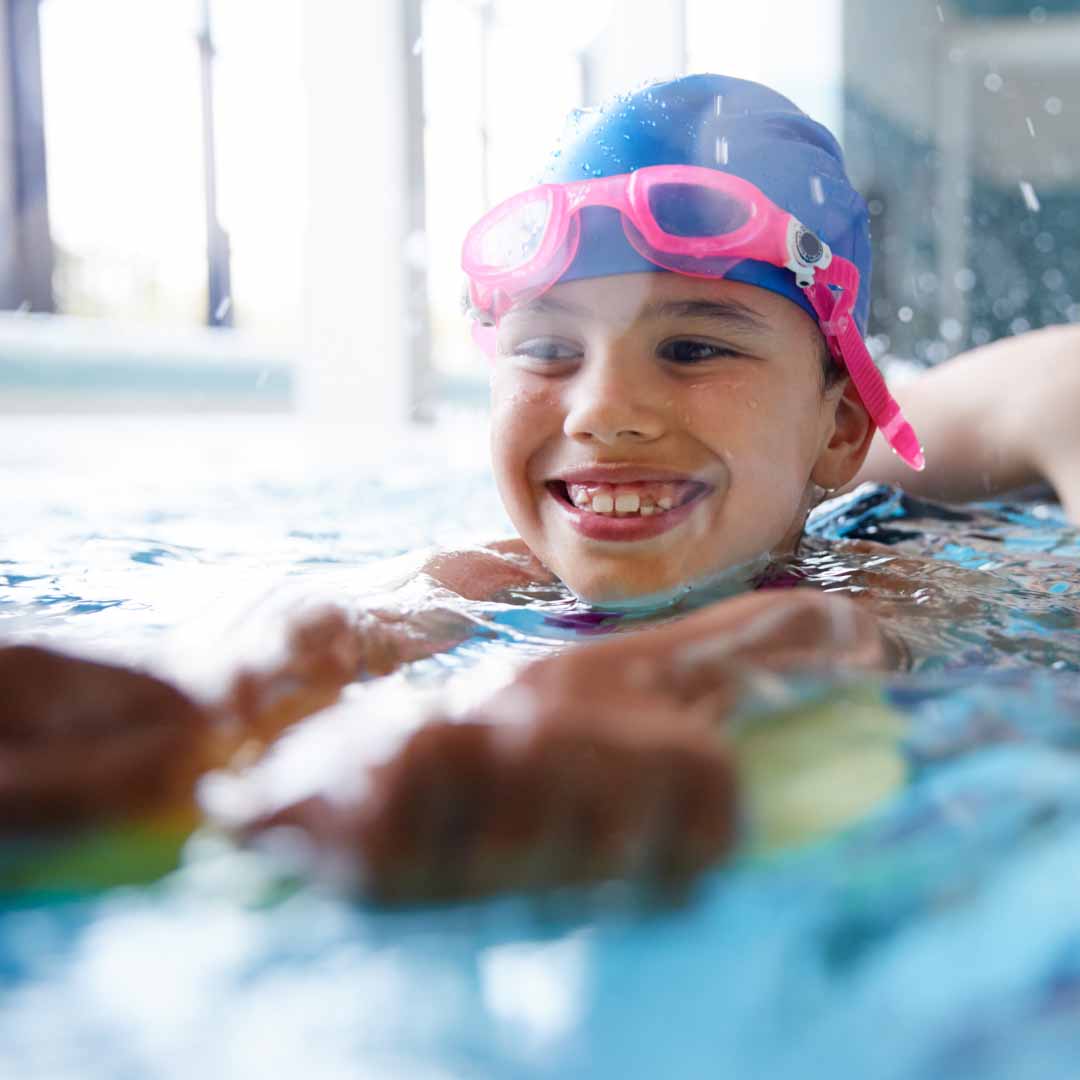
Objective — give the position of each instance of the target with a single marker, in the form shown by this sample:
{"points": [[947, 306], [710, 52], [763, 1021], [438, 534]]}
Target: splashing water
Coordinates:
{"points": [[1031, 200]]}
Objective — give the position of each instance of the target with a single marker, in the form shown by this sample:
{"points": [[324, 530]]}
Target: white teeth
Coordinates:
{"points": [[614, 499]]}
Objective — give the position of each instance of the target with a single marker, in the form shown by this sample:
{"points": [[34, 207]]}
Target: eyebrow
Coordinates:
{"points": [[736, 315]]}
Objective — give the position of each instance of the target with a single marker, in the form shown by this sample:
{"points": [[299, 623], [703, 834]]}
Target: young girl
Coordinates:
{"points": [[674, 324]]}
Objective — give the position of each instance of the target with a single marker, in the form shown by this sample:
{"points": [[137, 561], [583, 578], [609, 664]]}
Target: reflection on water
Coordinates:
{"points": [[995, 585], [935, 938]]}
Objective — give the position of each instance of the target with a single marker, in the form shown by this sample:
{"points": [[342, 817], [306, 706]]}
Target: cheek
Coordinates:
{"points": [[746, 416], [767, 436], [522, 420]]}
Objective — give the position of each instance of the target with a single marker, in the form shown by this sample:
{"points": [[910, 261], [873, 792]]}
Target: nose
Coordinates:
{"points": [[612, 401]]}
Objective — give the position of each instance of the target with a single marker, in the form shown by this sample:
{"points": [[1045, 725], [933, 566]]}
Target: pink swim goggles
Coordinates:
{"points": [[691, 220]]}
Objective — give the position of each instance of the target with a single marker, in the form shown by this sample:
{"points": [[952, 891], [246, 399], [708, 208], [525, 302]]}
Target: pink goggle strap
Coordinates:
{"points": [[485, 338], [839, 326]]}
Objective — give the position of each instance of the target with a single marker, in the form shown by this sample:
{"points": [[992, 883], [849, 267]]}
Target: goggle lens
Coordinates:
{"points": [[514, 239], [695, 210]]}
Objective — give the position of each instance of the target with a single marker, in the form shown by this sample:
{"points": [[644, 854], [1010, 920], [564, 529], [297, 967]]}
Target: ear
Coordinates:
{"points": [[849, 434]]}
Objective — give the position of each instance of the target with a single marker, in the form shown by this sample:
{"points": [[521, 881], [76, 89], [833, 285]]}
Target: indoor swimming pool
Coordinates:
{"points": [[933, 937]]}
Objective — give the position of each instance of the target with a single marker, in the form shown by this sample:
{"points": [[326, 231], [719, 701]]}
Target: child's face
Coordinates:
{"points": [[650, 431]]}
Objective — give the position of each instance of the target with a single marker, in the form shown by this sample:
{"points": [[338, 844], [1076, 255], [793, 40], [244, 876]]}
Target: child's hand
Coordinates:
{"points": [[328, 648], [319, 650], [323, 652], [701, 661], [83, 741], [473, 807]]}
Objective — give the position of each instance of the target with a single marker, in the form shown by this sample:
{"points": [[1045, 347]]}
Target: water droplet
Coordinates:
{"points": [[721, 150], [964, 279], [905, 314], [222, 309], [1037, 14], [1031, 200], [1053, 279], [1053, 106], [1030, 126], [718, 104], [951, 329], [993, 82], [940, 13], [418, 46]]}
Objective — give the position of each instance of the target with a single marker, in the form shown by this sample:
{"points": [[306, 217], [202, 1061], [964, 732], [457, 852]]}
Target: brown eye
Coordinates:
{"points": [[686, 351]]}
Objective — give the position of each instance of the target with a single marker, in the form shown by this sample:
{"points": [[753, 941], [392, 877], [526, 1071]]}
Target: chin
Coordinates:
{"points": [[624, 592], [628, 592]]}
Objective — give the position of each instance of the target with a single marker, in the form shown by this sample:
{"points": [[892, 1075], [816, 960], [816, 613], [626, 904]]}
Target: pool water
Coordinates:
{"points": [[938, 936]]}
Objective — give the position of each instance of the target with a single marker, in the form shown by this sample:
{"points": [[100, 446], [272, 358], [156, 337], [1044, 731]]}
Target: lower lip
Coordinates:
{"points": [[626, 529]]}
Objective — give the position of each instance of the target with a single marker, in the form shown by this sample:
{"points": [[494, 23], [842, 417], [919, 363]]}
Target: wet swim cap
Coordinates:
{"points": [[730, 125]]}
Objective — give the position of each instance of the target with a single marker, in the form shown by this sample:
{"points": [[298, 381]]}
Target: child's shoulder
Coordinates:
{"points": [[484, 571]]}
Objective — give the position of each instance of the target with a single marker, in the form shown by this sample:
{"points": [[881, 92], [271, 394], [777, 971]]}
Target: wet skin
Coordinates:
{"points": [[641, 377]]}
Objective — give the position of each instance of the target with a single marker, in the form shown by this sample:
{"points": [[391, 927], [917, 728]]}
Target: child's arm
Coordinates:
{"points": [[993, 419]]}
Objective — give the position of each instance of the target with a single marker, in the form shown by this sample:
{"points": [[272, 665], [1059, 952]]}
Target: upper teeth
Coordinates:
{"points": [[644, 499]]}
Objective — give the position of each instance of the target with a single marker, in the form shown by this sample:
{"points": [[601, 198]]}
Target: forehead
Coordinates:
{"points": [[632, 299]]}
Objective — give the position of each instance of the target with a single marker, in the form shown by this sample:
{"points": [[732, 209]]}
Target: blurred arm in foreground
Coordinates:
{"points": [[608, 760]]}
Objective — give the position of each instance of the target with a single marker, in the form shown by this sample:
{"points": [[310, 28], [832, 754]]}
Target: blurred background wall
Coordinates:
{"points": [[259, 203]]}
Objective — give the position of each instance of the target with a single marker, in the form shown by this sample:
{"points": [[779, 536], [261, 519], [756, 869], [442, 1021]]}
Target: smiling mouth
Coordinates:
{"points": [[632, 500]]}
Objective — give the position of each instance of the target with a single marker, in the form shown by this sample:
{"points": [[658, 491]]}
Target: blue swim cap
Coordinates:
{"points": [[730, 125]]}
